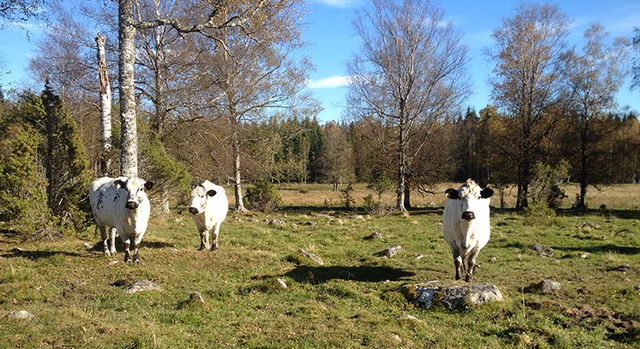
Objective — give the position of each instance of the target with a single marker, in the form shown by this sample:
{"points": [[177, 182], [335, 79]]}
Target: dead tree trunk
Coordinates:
{"points": [[236, 171], [105, 107], [129, 144]]}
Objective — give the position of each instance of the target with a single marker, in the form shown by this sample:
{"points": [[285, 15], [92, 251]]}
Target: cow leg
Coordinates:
{"points": [[471, 263], [135, 245], [216, 232], [112, 233], [103, 236], [457, 261], [204, 240], [127, 254]]}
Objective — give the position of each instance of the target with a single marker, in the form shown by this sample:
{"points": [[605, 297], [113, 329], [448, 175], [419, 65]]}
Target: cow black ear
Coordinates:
{"points": [[486, 193], [119, 184], [212, 192], [451, 194], [148, 185]]}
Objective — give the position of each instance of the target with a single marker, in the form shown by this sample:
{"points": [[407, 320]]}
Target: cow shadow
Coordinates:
{"points": [[36, 255], [363, 273], [98, 246]]}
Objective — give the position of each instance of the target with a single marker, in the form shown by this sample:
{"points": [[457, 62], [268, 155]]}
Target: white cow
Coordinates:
{"points": [[466, 225], [209, 206], [121, 206]]}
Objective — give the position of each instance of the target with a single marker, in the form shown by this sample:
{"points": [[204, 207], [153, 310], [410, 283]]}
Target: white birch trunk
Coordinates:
{"points": [[105, 107], [127, 33], [236, 171]]}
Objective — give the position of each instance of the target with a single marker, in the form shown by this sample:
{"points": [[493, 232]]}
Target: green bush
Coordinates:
{"points": [[262, 196], [539, 213]]}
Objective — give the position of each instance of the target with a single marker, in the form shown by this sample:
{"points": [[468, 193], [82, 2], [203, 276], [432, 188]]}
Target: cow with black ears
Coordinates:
{"points": [[466, 225], [209, 206], [121, 206]]}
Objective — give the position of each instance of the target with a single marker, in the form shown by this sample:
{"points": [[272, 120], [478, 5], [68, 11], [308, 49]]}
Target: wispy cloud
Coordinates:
{"points": [[339, 3], [330, 82]]}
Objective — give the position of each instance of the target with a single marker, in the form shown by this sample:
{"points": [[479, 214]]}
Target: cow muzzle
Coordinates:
{"points": [[468, 215], [193, 210], [131, 205]]}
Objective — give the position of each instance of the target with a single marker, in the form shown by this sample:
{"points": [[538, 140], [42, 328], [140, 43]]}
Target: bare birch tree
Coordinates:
{"points": [[410, 74], [528, 81], [594, 77]]}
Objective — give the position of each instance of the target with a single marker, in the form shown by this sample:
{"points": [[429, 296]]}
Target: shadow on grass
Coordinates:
{"points": [[601, 249], [35, 255], [98, 246], [364, 273]]}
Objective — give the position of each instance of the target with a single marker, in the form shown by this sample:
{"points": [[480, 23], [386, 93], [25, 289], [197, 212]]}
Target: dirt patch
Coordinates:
{"points": [[620, 327]]}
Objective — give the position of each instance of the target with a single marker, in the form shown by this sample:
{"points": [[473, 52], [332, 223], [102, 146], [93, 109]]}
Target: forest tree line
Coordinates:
{"points": [[219, 93]]}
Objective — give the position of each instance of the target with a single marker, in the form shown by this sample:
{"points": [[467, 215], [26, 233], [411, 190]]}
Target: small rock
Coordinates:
{"points": [[87, 245], [276, 222], [254, 220], [141, 286], [407, 317], [391, 251], [17, 250], [112, 263], [311, 223], [638, 287], [312, 256], [431, 204], [420, 256], [373, 236], [590, 225], [622, 268], [584, 255], [282, 283], [358, 216], [323, 215], [196, 297], [493, 259], [544, 286], [20, 314], [396, 338], [543, 251]]}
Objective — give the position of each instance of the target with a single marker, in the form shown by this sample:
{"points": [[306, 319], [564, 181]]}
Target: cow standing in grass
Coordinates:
{"points": [[466, 225], [209, 206], [121, 206]]}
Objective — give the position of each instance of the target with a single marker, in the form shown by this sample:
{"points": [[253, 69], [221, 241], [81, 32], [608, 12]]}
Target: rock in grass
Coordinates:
{"points": [[456, 297], [196, 297], [312, 256], [20, 314], [622, 268], [543, 251], [373, 236], [276, 222], [544, 286], [142, 286], [282, 283], [391, 251], [311, 223]]}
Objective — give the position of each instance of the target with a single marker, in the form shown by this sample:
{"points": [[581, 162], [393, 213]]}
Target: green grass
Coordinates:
{"points": [[351, 301]]}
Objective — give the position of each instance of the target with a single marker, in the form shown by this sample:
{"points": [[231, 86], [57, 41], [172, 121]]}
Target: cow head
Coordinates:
{"points": [[470, 197], [199, 198], [135, 188]]}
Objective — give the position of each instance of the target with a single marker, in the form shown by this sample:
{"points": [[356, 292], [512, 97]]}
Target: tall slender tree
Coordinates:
{"points": [[594, 77], [409, 74], [527, 85]]}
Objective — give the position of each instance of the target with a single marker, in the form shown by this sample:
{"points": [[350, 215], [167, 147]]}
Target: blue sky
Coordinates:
{"points": [[332, 41]]}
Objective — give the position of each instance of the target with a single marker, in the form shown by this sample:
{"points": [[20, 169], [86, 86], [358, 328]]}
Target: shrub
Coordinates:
{"points": [[347, 196], [375, 207], [263, 196], [539, 213]]}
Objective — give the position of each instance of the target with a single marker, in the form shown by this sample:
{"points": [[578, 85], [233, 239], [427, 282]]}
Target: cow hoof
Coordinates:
{"points": [[114, 252], [128, 260], [467, 278], [107, 253], [214, 247], [202, 248]]}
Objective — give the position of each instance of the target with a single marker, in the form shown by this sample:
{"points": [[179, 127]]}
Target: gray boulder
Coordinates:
{"points": [[142, 286], [20, 315], [544, 286], [454, 297], [391, 251]]}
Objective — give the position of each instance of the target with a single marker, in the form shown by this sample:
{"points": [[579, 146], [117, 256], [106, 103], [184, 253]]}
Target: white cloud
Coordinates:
{"points": [[339, 3], [330, 82]]}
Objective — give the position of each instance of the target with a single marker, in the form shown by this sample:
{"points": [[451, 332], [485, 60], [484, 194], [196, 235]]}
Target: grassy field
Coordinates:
{"points": [[351, 301]]}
